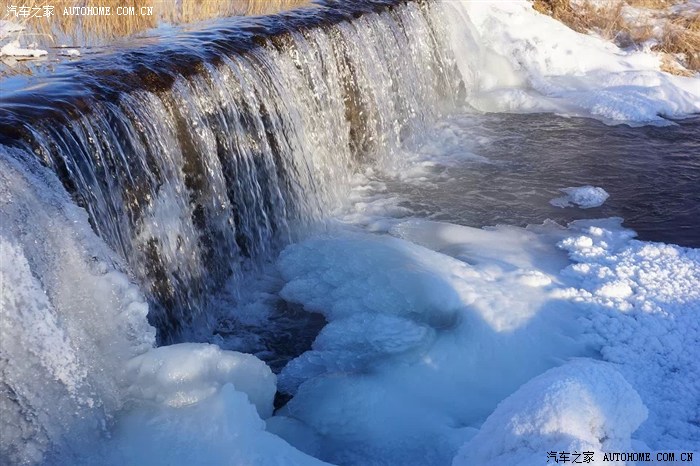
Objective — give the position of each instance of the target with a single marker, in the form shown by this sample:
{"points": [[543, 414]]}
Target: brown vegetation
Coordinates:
{"points": [[678, 39], [91, 30], [682, 36]]}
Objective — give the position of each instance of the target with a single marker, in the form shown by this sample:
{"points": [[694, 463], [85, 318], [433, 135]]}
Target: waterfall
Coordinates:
{"points": [[229, 163], [179, 177]]}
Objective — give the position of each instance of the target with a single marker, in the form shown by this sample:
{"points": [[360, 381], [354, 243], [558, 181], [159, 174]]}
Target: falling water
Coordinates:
{"points": [[228, 164], [187, 177]]}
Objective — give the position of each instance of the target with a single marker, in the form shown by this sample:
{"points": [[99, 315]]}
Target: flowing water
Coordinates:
{"points": [[173, 198], [504, 169]]}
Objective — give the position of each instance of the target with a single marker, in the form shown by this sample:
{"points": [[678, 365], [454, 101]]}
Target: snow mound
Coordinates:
{"points": [[223, 429], [187, 373], [581, 406], [584, 197], [514, 59]]}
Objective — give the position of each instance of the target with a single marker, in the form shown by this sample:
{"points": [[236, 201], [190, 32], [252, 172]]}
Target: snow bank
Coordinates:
{"points": [[514, 59], [14, 49], [581, 406], [584, 197], [431, 327]]}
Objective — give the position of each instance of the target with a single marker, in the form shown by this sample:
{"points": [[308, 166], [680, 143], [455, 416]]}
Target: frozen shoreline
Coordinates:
{"points": [[518, 60]]}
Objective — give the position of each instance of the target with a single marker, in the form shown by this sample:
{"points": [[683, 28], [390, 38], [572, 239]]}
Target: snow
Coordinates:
{"points": [[433, 326], [514, 59], [8, 27], [421, 345], [584, 197], [70, 52], [14, 49], [643, 301], [582, 406]]}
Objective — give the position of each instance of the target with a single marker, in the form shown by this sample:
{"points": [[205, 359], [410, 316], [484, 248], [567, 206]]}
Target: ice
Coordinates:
{"points": [[70, 319], [222, 429], [421, 345], [432, 326], [583, 406], [514, 59], [70, 52], [584, 197], [185, 374], [195, 404]]}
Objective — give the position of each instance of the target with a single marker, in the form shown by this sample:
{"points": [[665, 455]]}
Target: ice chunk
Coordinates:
{"points": [[223, 429], [581, 196], [70, 319], [70, 52], [421, 345], [184, 374], [581, 406]]}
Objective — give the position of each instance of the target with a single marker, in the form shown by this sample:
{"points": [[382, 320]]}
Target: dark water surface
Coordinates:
{"points": [[651, 173]]}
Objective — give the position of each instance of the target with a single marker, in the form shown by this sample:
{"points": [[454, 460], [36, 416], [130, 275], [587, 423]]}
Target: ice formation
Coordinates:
{"points": [[584, 197]]}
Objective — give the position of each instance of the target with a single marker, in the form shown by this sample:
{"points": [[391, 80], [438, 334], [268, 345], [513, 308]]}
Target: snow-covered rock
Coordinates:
{"points": [[583, 406]]}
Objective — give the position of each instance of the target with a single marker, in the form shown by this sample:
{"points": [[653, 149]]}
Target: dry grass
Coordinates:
{"points": [[679, 42], [652, 4], [605, 17], [92, 30], [682, 36]]}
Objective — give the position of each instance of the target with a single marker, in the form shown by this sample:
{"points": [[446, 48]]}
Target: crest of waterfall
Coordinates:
{"points": [[176, 188]]}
